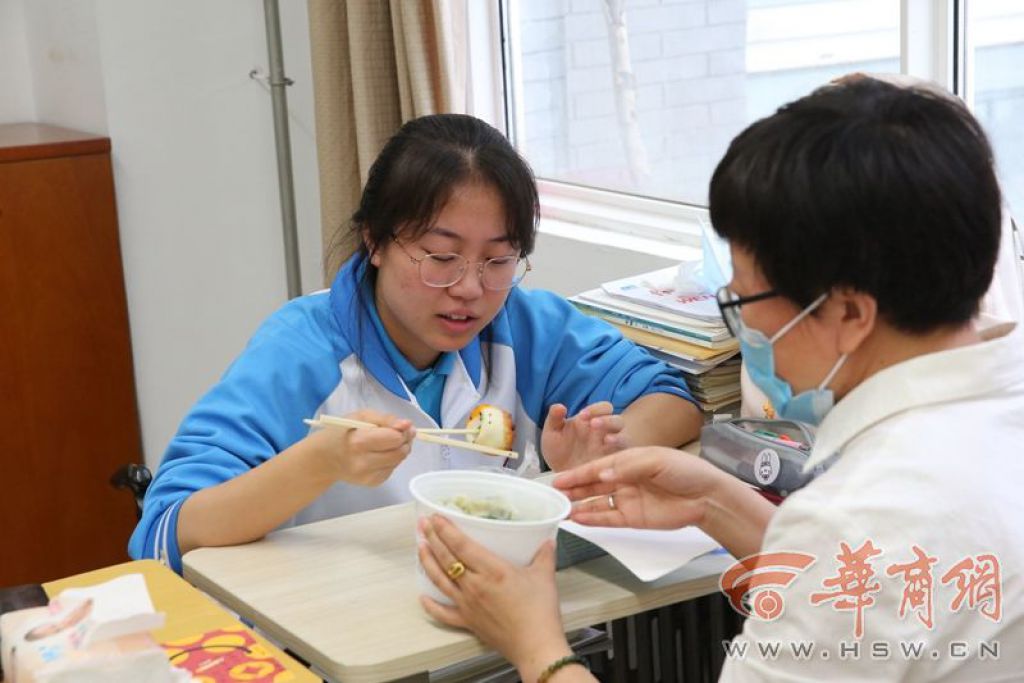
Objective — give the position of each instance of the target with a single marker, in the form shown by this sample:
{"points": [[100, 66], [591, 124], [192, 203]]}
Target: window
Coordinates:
{"points": [[623, 107], [642, 97], [995, 83]]}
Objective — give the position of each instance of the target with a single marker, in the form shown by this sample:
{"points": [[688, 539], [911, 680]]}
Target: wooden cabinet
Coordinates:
{"points": [[68, 414]]}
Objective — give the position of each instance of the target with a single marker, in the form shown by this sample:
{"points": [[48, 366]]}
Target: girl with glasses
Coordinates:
{"points": [[424, 322]]}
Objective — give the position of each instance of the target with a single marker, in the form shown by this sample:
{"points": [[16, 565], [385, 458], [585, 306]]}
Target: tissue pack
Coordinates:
{"points": [[98, 634]]}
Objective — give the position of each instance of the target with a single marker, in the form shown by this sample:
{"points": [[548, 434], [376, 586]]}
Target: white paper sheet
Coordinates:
{"points": [[649, 554], [119, 607]]}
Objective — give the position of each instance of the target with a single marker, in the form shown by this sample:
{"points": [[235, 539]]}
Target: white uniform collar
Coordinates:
{"points": [[979, 369]]}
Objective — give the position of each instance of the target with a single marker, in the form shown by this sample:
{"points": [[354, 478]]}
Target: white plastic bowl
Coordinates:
{"points": [[539, 510]]}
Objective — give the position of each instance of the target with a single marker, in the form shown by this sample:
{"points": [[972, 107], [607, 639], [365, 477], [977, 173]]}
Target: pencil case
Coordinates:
{"points": [[768, 454]]}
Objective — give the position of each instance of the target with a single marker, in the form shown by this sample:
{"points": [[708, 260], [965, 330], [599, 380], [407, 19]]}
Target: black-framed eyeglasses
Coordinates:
{"points": [[729, 303], [444, 270]]}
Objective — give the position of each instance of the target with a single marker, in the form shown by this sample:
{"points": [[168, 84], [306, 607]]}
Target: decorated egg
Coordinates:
{"points": [[492, 427]]}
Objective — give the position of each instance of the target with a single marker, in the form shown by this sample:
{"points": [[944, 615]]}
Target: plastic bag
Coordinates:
{"points": [[713, 271]]}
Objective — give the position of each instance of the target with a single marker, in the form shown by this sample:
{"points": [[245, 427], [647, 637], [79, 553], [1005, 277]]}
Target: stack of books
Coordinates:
{"points": [[685, 331]]}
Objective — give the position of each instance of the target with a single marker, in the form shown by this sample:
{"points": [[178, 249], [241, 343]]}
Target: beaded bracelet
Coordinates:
{"points": [[560, 663]]}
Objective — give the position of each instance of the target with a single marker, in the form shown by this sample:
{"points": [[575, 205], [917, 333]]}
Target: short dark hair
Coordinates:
{"points": [[890, 191], [413, 177]]}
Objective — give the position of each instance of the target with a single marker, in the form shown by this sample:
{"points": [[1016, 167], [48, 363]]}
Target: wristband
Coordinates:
{"points": [[559, 664]]}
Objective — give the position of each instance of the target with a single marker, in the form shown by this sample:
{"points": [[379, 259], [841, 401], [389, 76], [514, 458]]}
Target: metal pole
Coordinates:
{"points": [[282, 141]]}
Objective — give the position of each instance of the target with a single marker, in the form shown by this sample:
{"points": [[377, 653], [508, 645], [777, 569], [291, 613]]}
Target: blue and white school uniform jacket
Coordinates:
{"points": [[322, 354]]}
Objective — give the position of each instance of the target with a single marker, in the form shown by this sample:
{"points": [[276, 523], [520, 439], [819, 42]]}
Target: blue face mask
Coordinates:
{"points": [[808, 406]]}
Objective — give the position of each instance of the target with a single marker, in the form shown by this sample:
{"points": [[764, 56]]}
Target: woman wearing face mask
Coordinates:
{"points": [[421, 325], [864, 225]]}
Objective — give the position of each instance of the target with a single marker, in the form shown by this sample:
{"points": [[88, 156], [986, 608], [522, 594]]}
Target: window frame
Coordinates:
{"points": [[932, 46]]}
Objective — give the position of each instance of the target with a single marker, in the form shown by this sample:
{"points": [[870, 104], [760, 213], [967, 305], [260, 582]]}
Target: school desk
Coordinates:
{"points": [[341, 593]]}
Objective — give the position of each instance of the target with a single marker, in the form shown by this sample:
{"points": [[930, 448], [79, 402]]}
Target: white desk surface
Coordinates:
{"points": [[341, 593]]}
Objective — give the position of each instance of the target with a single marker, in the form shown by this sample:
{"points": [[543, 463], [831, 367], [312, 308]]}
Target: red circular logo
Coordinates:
{"points": [[768, 605]]}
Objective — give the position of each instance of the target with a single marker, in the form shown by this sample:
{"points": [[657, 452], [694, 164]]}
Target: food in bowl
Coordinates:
{"points": [[490, 507], [536, 508]]}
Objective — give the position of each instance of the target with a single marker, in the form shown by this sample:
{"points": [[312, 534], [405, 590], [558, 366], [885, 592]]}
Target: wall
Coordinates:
{"points": [[195, 168], [63, 53], [197, 188], [569, 265], [16, 99]]}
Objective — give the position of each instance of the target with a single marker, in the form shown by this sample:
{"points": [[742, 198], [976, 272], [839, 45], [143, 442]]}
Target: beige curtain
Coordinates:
{"points": [[376, 64]]}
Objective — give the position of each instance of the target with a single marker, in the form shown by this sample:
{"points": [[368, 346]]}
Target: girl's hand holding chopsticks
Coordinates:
{"points": [[366, 456]]}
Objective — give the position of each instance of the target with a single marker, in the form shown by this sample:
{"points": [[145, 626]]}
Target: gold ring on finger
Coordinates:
{"points": [[455, 570]]}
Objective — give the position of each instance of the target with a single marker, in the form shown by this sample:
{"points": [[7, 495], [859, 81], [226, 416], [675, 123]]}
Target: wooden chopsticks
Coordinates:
{"points": [[429, 436], [430, 430]]}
